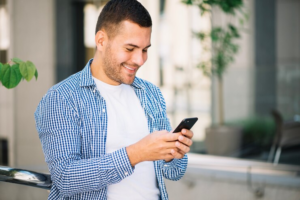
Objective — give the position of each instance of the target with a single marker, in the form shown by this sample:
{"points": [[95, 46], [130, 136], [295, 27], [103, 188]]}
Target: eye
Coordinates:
{"points": [[145, 50], [129, 49]]}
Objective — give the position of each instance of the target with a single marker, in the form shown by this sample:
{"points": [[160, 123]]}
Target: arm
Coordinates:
{"points": [[59, 131], [175, 168]]}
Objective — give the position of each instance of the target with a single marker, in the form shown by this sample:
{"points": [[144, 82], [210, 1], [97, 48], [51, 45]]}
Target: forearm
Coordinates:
{"points": [[133, 154]]}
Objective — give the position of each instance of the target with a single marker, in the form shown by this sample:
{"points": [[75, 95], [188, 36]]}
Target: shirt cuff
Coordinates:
{"points": [[170, 164], [122, 163]]}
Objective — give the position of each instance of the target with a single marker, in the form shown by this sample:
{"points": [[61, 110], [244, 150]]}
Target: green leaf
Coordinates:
{"points": [[201, 35], [4, 68], [234, 31], [216, 34], [205, 67], [36, 74], [203, 8], [1, 65], [188, 2], [17, 60], [11, 76], [247, 16], [241, 21], [27, 70], [234, 48]]}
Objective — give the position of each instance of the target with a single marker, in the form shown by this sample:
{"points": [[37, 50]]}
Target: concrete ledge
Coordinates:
{"points": [[241, 170]]}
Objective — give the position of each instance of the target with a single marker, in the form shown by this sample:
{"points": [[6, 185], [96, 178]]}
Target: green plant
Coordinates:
{"points": [[16, 70], [220, 41], [257, 130]]}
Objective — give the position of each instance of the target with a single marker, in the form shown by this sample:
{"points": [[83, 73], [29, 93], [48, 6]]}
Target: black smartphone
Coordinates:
{"points": [[187, 123]]}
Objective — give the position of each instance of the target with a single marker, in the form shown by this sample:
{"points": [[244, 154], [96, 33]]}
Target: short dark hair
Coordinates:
{"points": [[116, 11]]}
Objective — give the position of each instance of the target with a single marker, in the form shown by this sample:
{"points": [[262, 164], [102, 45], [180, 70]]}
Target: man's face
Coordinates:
{"points": [[126, 52]]}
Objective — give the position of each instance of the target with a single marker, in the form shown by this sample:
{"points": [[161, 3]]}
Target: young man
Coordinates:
{"points": [[95, 126]]}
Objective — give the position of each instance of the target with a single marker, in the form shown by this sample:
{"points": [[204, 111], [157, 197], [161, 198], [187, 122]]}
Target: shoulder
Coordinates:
{"points": [[63, 93], [60, 97], [66, 87]]}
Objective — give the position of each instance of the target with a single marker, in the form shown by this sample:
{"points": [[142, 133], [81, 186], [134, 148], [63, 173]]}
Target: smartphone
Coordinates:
{"points": [[187, 123]]}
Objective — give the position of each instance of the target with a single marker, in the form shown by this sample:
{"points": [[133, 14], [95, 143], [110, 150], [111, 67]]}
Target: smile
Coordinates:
{"points": [[129, 68]]}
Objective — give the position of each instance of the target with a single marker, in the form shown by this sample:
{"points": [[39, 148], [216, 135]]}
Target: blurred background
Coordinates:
{"points": [[234, 64]]}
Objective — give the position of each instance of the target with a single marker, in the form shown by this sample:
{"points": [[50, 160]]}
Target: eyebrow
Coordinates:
{"points": [[133, 45]]}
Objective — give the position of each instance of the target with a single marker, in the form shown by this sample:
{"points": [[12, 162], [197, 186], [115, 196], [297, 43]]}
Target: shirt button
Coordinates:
{"points": [[126, 173], [103, 110], [166, 165]]}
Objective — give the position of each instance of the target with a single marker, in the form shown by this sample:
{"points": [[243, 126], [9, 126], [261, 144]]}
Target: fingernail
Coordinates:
{"points": [[177, 144], [180, 138], [183, 131], [172, 151]]}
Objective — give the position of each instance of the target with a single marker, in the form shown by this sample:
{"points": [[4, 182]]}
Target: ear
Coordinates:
{"points": [[100, 40]]}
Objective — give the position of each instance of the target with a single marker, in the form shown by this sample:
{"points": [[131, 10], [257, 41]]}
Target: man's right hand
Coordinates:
{"points": [[155, 146]]}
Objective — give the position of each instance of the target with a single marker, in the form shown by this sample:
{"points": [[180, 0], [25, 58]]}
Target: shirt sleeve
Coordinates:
{"points": [[58, 126], [175, 169]]}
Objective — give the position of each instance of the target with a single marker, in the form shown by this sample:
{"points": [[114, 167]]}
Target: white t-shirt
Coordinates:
{"points": [[127, 124]]}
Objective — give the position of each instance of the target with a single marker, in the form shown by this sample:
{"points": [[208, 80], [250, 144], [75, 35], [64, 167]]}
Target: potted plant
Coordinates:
{"points": [[221, 44], [257, 137], [13, 72]]}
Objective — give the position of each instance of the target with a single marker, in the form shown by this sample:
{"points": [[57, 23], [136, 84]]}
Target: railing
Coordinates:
{"points": [[25, 177], [287, 175]]}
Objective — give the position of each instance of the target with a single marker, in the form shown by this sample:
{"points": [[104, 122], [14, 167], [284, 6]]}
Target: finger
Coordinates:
{"points": [[181, 152], [177, 155], [168, 157], [182, 147], [165, 151], [187, 133], [186, 141], [171, 137], [163, 132], [168, 145]]}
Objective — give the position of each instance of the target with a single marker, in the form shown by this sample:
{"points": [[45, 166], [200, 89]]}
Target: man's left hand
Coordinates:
{"points": [[183, 144]]}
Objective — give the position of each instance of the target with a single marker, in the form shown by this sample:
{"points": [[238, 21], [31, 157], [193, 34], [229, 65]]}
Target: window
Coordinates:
{"points": [[3, 152], [4, 31]]}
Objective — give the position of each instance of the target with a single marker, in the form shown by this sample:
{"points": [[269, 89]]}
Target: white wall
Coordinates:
{"points": [[150, 69], [239, 78], [173, 42], [288, 57], [32, 38]]}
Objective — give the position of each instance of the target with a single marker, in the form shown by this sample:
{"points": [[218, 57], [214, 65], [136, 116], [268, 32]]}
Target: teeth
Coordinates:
{"points": [[128, 68]]}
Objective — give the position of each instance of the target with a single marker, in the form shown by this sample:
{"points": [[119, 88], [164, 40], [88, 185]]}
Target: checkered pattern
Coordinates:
{"points": [[71, 120]]}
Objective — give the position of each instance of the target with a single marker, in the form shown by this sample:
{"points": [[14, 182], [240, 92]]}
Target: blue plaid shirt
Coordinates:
{"points": [[71, 120]]}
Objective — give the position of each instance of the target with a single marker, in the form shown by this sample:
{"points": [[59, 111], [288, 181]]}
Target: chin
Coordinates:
{"points": [[128, 81]]}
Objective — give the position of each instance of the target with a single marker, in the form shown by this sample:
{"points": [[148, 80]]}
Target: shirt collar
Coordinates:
{"points": [[137, 83], [86, 78]]}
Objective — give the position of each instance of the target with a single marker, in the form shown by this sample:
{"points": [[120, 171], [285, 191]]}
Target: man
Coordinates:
{"points": [[95, 126]]}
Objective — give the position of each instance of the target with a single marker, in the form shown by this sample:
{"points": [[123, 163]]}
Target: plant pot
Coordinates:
{"points": [[223, 140]]}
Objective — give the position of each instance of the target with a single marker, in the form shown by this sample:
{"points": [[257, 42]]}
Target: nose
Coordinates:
{"points": [[139, 58]]}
